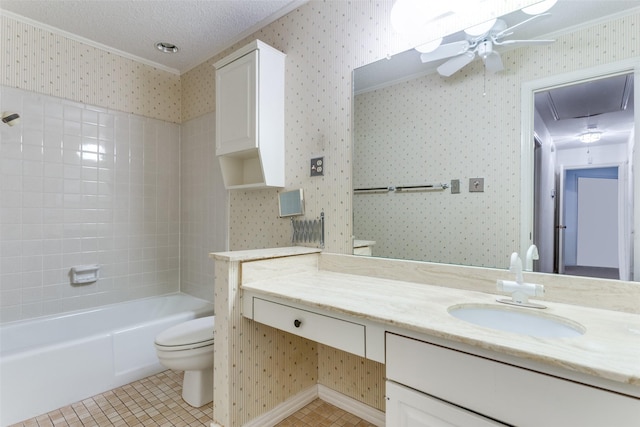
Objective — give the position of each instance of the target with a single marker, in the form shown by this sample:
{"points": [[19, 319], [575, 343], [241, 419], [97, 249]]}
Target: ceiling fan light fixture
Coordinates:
{"points": [[480, 29], [540, 7], [591, 136], [429, 46], [410, 16]]}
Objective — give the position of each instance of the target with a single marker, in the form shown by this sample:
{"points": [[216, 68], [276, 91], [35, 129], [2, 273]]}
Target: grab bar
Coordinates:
{"points": [[401, 189]]}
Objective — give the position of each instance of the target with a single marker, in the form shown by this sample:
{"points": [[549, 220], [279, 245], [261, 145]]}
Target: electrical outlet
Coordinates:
{"points": [[317, 166], [455, 186], [476, 185]]}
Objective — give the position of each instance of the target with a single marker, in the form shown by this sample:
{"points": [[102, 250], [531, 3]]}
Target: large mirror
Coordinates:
{"points": [[440, 162]]}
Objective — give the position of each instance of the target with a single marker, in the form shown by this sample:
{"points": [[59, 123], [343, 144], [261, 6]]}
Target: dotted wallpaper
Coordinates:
{"points": [[324, 41], [318, 120], [40, 61], [404, 136]]}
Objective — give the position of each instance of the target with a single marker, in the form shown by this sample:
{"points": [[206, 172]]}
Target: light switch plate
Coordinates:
{"points": [[455, 186], [476, 185], [317, 166]]}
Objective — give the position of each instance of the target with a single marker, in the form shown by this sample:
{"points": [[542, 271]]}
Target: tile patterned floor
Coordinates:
{"points": [[156, 402], [322, 414], [152, 401]]}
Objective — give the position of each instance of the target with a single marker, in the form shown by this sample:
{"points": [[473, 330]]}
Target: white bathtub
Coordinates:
{"points": [[50, 362]]}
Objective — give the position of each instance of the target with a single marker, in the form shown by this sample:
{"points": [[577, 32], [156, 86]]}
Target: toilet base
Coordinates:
{"points": [[197, 387]]}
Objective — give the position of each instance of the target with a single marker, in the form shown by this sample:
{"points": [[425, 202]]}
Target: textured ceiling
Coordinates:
{"points": [[200, 28], [562, 17]]}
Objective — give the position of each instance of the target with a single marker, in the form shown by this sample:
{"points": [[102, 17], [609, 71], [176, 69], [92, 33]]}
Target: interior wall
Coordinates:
{"points": [[317, 115], [84, 185], [324, 42], [40, 61], [204, 207], [431, 130]]}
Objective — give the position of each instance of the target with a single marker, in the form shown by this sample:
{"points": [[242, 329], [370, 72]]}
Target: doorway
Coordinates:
{"points": [[565, 111], [587, 231]]}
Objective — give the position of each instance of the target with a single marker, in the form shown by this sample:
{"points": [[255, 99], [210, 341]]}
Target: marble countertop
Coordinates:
{"points": [[258, 254], [359, 243], [609, 349]]}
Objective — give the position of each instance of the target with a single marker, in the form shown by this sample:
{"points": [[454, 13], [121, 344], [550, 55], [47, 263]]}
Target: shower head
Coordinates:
{"points": [[11, 119]]}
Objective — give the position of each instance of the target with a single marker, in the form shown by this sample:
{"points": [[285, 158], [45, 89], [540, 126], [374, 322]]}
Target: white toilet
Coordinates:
{"points": [[188, 347]]}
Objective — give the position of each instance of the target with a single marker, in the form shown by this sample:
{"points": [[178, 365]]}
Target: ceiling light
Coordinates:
{"points": [[409, 16], [589, 137], [480, 29], [538, 8], [166, 47], [430, 46]]}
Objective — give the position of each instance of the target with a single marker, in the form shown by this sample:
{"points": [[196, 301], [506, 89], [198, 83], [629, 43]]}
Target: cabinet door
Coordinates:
{"points": [[409, 408], [236, 106]]}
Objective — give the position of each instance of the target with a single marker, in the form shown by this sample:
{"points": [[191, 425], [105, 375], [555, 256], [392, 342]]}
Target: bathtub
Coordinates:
{"points": [[53, 361]]}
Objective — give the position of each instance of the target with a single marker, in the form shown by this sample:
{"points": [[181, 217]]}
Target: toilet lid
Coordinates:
{"points": [[196, 331]]}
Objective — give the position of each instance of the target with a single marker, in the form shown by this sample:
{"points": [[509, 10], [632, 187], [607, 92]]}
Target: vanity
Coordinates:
{"points": [[438, 366]]}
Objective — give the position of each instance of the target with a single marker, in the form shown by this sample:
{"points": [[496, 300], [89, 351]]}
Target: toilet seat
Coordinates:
{"points": [[189, 335]]}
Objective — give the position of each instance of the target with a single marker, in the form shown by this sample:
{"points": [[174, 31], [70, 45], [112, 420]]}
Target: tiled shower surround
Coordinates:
{"points": [[85, 185]]}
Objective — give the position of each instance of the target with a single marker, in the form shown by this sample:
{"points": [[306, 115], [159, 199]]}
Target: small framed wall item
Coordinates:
{"points": [[291, 203]]}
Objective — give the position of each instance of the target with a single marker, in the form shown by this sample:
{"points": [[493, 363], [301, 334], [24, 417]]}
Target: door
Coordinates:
{"points": [[597, 235], [409, 408], [236, 86], [588, 222]]}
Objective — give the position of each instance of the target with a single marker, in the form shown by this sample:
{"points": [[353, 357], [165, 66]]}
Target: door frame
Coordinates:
{"points": [[528, 91]]}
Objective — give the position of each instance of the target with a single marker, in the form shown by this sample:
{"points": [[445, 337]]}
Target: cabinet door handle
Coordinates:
{"points": [[297, 323]]}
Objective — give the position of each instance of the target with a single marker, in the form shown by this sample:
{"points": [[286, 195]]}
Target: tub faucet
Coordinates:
{"points": [[532, 253], [520, 291]]}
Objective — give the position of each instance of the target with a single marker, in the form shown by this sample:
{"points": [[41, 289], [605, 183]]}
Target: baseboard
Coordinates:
{"points": [[307, 396], [351, 405], [286, 408]]}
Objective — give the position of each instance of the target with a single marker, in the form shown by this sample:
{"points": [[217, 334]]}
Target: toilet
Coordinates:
{"points": [[188, 347]]}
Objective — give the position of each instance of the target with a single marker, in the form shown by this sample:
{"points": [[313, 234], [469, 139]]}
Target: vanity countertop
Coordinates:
{"points": [[609, 349]]}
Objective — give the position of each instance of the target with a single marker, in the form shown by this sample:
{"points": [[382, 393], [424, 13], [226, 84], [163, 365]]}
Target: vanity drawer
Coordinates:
{"points": [[338, 333], [507, 393]]}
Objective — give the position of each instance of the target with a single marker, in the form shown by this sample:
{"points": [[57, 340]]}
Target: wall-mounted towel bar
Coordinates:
{"points": [[402, 189], [308, 231]]}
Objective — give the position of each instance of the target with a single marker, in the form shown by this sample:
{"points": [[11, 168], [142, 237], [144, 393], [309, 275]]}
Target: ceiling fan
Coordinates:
{"points": [[464, 51]]}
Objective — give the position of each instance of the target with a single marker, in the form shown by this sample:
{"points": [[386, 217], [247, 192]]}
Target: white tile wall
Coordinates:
{"points": [[204, 207], [80, 185]]}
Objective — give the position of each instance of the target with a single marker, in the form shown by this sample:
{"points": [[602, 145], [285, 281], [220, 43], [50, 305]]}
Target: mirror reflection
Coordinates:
{"points": [[583, 178], [414, 127]]}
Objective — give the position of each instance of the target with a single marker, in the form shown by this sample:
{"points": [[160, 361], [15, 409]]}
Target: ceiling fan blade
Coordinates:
{"points": [[455, 64], [509, 30], [493, 62], [524, 42], [445, 51]]}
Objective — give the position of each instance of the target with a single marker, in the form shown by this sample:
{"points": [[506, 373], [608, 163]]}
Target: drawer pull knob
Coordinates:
{"points": [[297, 323]]}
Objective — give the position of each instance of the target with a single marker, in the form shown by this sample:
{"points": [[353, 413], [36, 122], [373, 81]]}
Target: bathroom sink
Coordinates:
{"points": [[519, 320]]}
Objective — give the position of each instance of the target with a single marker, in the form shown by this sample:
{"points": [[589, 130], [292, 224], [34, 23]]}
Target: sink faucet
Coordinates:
{"points": [[532, 253], [520, 291], [516, 267]]}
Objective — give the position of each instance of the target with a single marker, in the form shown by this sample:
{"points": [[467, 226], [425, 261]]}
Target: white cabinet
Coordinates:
{"points": [[250, 117], [499, 391], [409, 408]]}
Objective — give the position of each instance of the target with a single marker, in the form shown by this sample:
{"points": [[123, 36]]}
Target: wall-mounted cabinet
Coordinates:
{"points": [[250, 117]]}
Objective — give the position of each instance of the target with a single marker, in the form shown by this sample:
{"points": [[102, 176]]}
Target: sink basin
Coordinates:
{"points": [[520, 321]]}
